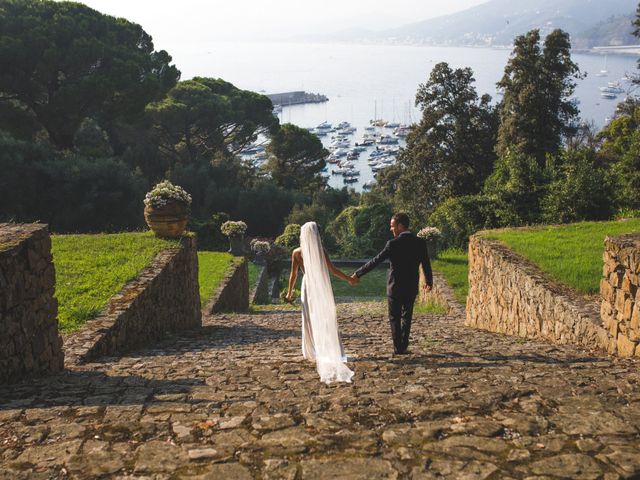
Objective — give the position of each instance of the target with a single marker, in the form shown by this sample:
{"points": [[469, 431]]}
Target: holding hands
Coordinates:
{"points": [[353, 280]]}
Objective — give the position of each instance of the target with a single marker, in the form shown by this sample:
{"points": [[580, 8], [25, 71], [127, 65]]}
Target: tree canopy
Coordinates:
{"points": [[62, 62], [537, 112], [450, 152], [296, 159], [204, 118]]}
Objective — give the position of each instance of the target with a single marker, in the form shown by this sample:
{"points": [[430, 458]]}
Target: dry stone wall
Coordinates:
{"points": [[164, 298], [508, 294], [29, 340], [620, 290], [233, 293]]}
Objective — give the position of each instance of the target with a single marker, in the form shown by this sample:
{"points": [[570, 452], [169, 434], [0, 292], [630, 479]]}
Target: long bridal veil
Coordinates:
{"points": [[321, 308]]}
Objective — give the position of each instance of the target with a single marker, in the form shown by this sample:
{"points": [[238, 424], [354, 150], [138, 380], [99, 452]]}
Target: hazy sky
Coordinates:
{"points": [[198, 20]]}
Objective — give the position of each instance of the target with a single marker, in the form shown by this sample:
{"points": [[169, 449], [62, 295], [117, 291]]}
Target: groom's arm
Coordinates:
{"points": [[375, 261]]}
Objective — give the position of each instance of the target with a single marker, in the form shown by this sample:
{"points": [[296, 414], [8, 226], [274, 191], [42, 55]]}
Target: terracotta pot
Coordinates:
{"points": [[168, 221]]}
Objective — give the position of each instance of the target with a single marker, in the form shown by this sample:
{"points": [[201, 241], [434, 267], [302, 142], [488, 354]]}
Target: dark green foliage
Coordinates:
{"points": [[581, 189], [621, 150], [361, 231], [325, 205], [517, 186], [208, 230], [68, 191], [459, 217], [536, 112], [206, 118], [450, 152], [63, 62], [296, 159], [290, 238]]}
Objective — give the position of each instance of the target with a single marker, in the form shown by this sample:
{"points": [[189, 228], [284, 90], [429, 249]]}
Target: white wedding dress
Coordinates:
{"points": [[320, 337]]}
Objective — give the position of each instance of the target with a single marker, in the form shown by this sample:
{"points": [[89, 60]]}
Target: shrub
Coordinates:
{"points": [[290, 238], [361, 231], [209, 235], [459, 217]]}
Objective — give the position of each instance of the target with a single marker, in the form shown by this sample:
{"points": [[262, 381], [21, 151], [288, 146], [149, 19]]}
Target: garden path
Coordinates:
{"points": [[235, 400]]}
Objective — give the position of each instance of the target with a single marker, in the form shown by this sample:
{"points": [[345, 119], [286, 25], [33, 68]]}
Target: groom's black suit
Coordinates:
{"points": [[406, 253]]}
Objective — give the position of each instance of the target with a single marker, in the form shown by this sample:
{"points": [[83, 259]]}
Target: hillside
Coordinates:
{"points": [[498, 22]]}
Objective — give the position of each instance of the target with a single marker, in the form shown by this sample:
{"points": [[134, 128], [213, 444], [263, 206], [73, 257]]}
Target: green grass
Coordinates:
{"points": [[253, 274], [570, 254], [453, 264], [373, 284], [211, 269], [90, 269]]}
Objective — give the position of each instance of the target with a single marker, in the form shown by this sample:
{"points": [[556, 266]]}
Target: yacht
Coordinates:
{"points": [[324, 126]]}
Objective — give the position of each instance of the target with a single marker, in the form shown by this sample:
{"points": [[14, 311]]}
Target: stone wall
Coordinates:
{"points": [[508, 294], [441, 293], [620, 290], [260, 294], [232, 295], [164, 298], [29, 340]]}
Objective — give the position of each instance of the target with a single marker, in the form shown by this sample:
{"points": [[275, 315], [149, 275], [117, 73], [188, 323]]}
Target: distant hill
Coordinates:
{"points": [[498, 22]]}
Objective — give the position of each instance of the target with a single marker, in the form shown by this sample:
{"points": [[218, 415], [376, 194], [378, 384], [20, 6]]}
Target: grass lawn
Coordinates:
{"points": [[253, 274], [90, 269], [570, 254], [211, 269], [453, 264]]}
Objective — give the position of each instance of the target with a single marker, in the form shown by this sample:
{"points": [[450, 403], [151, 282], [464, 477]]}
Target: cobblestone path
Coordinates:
{"points": [[236, 401]]}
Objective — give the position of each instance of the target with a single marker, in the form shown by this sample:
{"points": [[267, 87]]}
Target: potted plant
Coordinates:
{"points": [[431, 236], [235, 232], [166, 209], [260, 250]]}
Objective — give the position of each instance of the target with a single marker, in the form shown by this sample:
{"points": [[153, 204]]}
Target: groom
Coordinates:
{"points": [[406, 253]]}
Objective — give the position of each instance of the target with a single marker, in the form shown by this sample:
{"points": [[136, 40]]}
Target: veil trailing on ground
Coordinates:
{"points": [[321, 308]]}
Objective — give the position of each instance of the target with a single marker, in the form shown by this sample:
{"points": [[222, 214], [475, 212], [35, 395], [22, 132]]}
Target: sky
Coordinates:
{"points": [[170, 23]]}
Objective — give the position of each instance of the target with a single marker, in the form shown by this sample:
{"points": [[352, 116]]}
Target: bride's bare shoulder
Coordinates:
{"points": [[297, 253]]}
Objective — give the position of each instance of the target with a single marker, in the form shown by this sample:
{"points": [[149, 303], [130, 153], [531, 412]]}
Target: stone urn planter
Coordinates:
{"points": [[168, 221], [236, 245]]}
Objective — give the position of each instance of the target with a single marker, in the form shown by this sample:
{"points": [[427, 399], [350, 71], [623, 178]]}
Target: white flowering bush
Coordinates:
{"points": [[260, 247], [430, 233], [165, 192], [231, 228]]}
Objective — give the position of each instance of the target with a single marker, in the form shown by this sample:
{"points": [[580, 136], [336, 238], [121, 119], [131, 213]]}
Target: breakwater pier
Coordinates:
{"points": [[296, 98]]}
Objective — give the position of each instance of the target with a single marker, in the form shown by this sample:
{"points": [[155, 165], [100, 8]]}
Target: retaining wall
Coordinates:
{"points": [[508, 294], [620, 290], [232, 295], [164, 298], [29, 340]]}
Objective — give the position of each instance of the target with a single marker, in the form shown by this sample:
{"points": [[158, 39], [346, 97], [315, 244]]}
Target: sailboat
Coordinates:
{"points": [[603, 72]]}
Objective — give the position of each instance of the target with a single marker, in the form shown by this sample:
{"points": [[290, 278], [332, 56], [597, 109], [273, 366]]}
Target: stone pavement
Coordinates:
{"points": [[235, 400]]}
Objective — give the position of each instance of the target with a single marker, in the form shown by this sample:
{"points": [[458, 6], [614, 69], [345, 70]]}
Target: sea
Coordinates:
{"points": [[366, 82]]}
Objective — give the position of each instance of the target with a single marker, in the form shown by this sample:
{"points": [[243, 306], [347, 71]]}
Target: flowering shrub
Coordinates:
{"points": [[231, 228], [260, 247], [164, 192], [430, 233]]}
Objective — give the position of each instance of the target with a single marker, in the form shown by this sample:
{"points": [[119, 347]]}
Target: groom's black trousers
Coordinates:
{"points": [[400, 313]]}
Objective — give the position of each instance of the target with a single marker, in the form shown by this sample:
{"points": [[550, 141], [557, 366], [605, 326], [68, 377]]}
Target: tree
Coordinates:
{"points": [[361, 231], [621, 151], [450, 152], [207, 118], [536, 112], [296, 159], [63, 62]]}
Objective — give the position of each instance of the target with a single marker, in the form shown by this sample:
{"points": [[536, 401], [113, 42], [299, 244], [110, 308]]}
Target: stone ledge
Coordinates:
{"points": [[163, 298], [30, 344], [260, 292], [232, 295], [509, 294], [442, 293]]}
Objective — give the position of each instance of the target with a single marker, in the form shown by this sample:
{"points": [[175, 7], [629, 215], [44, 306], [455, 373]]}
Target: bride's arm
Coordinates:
{"points": [[293, 276], [336, 271]]}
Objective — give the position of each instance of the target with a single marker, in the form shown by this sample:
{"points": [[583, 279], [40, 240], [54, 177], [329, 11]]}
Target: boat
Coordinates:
{"points": [[391, 125], [603, 72], [368, 185], [609, 95], [349, 180], [324, 126], [387, 140], [612, 87]]}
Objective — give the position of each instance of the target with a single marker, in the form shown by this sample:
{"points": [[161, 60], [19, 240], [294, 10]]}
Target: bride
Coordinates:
{"points": [[320, 338]]}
